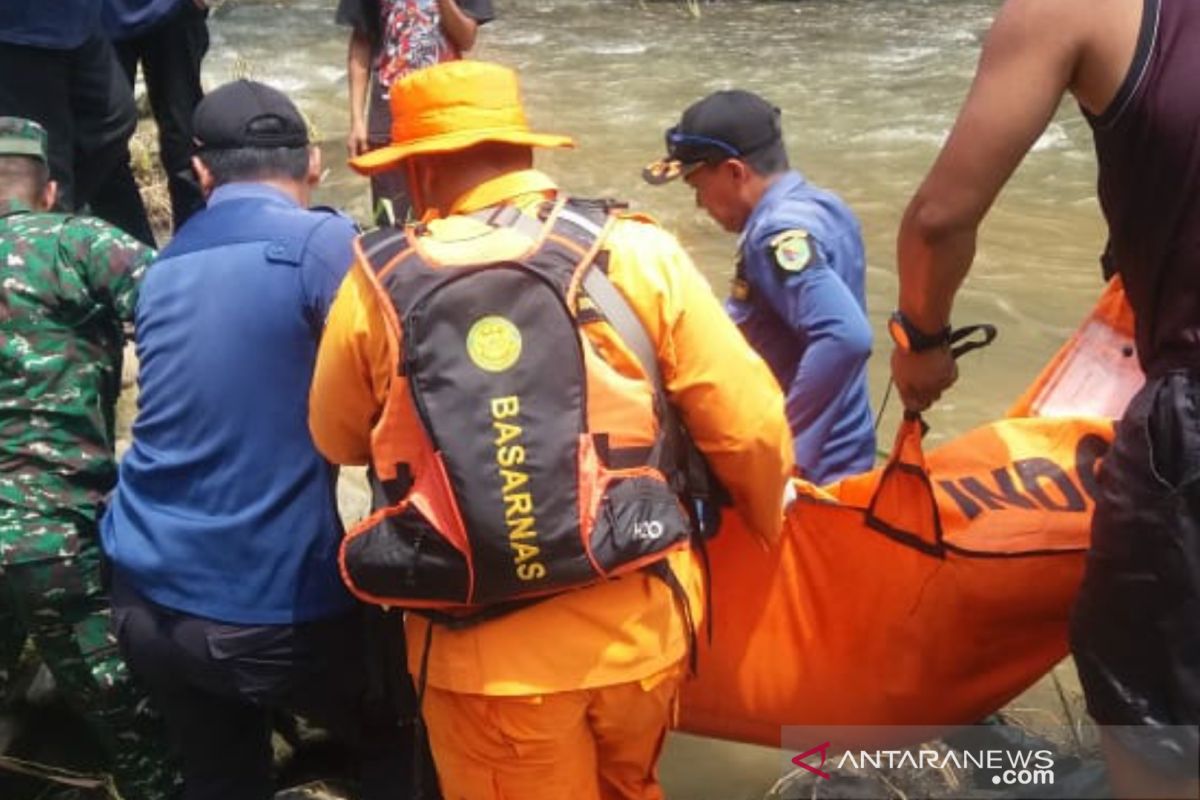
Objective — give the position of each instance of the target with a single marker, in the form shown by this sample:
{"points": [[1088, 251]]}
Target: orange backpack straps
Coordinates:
{"points": [[513, 500]]}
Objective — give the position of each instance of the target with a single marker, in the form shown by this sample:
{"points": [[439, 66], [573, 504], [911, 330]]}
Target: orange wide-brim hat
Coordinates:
{"points": [[453, 106]]}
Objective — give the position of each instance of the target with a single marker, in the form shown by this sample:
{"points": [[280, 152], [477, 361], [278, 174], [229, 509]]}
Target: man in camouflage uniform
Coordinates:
{"points": [[68, 286]]}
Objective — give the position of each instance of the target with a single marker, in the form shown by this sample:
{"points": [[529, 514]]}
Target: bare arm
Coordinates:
{"points": [[358, 69], [459, 27], [1028, 62]]}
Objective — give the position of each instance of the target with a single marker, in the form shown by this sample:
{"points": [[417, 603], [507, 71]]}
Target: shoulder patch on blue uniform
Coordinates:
{"points": [[792, 250]]}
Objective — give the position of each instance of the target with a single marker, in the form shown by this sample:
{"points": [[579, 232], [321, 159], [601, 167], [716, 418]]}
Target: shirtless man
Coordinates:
{"points": [[1132, 65]]}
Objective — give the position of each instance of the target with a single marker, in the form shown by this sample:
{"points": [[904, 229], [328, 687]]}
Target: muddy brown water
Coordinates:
{"points": [[869, 89]]}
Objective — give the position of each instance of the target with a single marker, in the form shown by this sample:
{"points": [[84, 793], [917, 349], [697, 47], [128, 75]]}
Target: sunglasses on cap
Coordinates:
{"points": [[686, 153], [689, 148]]}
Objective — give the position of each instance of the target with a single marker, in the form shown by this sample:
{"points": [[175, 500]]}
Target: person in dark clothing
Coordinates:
{"points": [[1132, 67], [70, 83], [388, 40], [169, 39]]}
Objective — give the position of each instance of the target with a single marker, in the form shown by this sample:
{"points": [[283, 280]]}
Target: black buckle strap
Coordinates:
{"points": [[662, 570], [962, 340], [961, 343]]}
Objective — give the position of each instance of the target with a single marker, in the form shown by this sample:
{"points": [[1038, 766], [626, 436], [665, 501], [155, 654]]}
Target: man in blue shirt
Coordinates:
{"points": [[223, 532], [58, 70], [798, 292]]}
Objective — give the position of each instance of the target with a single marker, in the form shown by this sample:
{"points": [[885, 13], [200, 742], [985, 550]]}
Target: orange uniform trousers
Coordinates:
{"points": [[587, 744]]}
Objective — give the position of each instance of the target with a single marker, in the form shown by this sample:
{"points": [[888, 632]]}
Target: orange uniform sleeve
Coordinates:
{"points": [[728, 398], [353, 370]]}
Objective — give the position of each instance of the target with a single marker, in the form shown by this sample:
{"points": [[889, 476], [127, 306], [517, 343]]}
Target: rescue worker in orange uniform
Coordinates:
{"points": [[570, 696]]}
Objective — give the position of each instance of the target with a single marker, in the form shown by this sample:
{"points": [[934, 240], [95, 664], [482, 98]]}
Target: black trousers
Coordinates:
{"points": [[218, 684], [83, 100], [171, 55], [1135, 629]]}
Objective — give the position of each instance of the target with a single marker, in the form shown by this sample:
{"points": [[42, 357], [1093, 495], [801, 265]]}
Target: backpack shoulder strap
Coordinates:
{"points": [[676, 447], [616, 309], [380, 246], [509, 215], [594, 218], [609, 301]]}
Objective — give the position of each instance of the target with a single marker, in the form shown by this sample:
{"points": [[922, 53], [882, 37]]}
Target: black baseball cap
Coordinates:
{"points": [[248, 114], [732, 123]]}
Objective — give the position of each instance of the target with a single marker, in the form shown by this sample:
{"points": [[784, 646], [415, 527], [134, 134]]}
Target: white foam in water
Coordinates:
{"points": [[1054, 138], [964, 36], [903, 134], [328, 74], [617, 49], [901, 56], [284, 80], [520, 39]]}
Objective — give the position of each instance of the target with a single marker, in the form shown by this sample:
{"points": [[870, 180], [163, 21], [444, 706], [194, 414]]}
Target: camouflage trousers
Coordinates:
{"points": [[60, 605]]}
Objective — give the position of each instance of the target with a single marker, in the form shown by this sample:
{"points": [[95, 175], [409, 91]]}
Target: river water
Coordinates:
{"points": [[869, 89]]}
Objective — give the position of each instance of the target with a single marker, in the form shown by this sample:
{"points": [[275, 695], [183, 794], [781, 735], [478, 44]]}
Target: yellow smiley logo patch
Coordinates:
{"points": [[493, 343]]}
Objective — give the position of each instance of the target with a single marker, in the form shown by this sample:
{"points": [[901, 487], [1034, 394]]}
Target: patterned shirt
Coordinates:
{"points": [[407, 35], [68, 286], [412, 39]]}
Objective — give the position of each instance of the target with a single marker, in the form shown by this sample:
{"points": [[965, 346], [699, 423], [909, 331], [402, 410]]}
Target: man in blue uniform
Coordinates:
{"points": [[798, 293], [223, 531]]}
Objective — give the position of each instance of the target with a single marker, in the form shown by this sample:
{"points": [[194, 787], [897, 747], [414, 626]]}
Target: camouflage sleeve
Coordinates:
{"points": [[111, 261]]}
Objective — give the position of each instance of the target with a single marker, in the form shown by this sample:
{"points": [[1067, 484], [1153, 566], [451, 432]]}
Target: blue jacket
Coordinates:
{"points": [[53, 24], [224, 509], [799, 300]]}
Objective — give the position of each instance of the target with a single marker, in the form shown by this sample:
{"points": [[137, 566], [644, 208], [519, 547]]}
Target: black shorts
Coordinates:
{"points": [[1135, 629]]}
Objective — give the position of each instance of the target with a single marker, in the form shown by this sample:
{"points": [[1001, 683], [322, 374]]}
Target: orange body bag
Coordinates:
{"points": [[930, 591]]}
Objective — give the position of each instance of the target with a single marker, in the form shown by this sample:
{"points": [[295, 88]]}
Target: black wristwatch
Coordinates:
{"points": [[910, 338]]}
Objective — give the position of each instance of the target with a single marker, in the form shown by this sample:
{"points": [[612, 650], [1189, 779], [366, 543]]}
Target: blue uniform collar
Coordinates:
{"points": [[248, 190], [784, 185]]}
